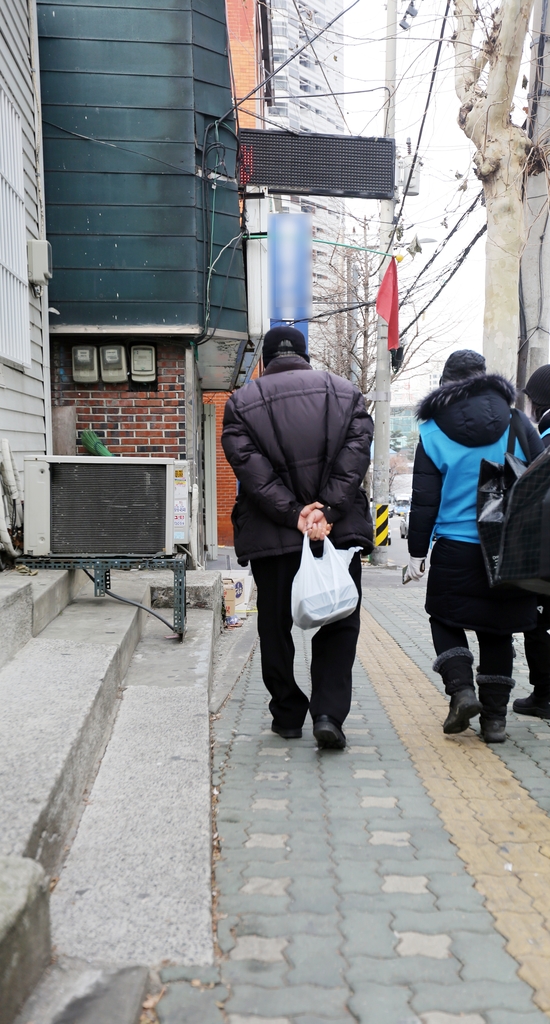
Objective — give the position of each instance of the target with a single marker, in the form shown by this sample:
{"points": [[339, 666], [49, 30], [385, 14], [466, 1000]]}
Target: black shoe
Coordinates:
{"points": [[329, 736], [493, 730], [464, 705], [287, 734], [535, 705]]}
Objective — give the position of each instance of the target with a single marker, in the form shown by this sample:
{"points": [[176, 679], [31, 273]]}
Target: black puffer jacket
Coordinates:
{"points": [[295, 436], [473, 412]]}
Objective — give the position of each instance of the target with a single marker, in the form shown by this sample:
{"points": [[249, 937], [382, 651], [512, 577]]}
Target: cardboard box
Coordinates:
{"points": [[243, 581], [229, 596]]}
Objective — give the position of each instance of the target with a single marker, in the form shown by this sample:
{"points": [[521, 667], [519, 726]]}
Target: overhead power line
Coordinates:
{"points": [[441, 246], [423, 122], [465, 252]]}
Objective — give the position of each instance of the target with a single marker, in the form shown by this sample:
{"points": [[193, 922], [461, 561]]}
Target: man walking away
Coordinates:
{"points": [[537, 640], [298, 441]]}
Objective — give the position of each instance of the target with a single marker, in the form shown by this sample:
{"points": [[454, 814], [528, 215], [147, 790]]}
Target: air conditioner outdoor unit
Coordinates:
{"points": [[89, 506]]}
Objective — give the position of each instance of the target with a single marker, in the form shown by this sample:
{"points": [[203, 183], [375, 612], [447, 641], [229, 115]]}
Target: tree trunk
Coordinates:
{"points": [[501, 155]]}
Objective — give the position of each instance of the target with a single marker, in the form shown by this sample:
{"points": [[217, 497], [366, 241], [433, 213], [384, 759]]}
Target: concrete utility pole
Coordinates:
{"points": [[535, 261], [381, 467]]}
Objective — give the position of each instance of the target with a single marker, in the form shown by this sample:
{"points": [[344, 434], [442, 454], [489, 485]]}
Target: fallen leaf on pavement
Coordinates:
{"points": [[153, 1000]]}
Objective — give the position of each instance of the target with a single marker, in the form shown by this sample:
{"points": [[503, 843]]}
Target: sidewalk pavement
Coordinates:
{"points": [[403, 881]]}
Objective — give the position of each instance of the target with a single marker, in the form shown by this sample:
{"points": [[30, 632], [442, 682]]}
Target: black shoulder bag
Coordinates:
{"points": [[496, 481]]}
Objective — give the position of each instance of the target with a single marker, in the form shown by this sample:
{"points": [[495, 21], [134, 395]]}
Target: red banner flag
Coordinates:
{"points": [[387, 303]]}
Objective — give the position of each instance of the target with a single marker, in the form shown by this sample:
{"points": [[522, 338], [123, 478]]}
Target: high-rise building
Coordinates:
{"points": [[306, 91]]}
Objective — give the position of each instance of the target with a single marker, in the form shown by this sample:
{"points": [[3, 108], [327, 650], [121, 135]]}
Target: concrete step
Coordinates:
{"points": [[58, 698], [136, 885], [58, 695], [29, 603], [72, 992], [24, 931], [143, 846]]}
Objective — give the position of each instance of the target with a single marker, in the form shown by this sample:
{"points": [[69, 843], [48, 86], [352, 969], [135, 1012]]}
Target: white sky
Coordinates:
{"points": [[455, 319]]}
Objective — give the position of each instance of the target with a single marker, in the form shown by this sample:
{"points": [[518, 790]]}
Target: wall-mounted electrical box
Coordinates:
{"points": [[85, 366], [414, 184], [143, 364], [39, 259], [114, 368]]}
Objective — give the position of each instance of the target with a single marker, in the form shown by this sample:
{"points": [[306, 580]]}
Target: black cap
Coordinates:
{"points": [[463, 364], [538, 386], [284, 341]]}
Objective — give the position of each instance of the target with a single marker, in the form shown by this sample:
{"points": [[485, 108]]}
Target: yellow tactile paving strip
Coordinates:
{"points": [[500, 832]]}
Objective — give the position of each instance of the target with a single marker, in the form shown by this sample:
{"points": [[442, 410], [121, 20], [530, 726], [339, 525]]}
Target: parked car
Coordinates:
{"points": [[404, 526], [402, 506]]}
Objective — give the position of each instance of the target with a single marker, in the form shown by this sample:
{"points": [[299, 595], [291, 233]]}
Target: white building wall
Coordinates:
{"points": [[24, 390]]}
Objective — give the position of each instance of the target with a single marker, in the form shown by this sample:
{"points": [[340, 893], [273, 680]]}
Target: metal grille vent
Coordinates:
{"points": [[108, 508], [313, 164]]}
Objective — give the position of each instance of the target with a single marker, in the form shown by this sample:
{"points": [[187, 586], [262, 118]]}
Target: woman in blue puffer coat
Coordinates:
{"points": [[465, 420]]}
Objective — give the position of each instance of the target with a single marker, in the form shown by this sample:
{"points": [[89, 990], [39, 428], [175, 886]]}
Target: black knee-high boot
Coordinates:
{"points": [[455, 668], [494, 693]]}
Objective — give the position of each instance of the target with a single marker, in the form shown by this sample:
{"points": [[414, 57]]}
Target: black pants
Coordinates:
{"points": [[537, 649], [496, 653], [332, 647]]}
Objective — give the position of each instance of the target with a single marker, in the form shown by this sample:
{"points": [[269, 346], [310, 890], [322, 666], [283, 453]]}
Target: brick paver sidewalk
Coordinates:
{"points": [[342, 890]]}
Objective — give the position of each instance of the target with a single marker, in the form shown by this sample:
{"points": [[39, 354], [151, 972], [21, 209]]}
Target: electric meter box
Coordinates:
{"points": [[85, 366], [39, 260], [143, 364], [114, 367]]}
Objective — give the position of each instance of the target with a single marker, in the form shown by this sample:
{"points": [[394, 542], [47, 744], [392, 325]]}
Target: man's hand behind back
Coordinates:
{"points": [[313, 522]]}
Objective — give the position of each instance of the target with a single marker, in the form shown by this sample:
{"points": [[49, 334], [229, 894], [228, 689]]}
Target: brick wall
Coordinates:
{"points": [[245, 54], [128, 421], [225, 478]]}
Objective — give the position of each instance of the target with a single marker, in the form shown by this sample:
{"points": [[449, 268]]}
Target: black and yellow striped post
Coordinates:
{"points": [[382, 532]]}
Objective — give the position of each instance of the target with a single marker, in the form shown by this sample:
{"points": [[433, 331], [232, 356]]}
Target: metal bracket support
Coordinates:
{"points": [[179, 595], [102, 579], [101, 568]]}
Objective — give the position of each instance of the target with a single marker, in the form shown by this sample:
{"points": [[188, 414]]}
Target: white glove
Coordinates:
{"points": [[415, 569]]}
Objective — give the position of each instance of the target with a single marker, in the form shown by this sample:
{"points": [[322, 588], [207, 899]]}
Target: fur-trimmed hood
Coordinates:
{"points": [[473, 412]]}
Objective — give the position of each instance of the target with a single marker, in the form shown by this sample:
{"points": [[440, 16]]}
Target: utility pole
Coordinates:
{"points": [[534, 283], [381, 468]]}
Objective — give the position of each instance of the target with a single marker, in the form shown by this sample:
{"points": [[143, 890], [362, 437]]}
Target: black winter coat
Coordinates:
{"points": [[472, 412], [294, 436]]}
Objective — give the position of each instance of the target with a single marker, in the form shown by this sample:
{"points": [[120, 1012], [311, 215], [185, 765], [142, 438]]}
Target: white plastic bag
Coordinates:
{"points": [[323, 590]]}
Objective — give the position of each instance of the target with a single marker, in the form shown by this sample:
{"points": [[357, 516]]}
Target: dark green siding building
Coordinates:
{"points": [[139, 153]]}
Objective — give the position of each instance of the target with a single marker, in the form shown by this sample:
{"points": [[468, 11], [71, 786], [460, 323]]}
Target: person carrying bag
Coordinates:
{"points": [[298, 441], [463, 422]]}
